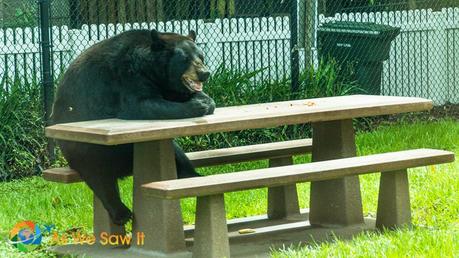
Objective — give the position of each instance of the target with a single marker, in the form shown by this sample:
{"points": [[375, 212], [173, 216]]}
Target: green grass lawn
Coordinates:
{"points": [[434, 192]]}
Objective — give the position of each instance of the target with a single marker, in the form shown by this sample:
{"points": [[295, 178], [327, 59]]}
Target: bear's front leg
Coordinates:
{"points": [[134, 107], [184, 167], [208, 101]]}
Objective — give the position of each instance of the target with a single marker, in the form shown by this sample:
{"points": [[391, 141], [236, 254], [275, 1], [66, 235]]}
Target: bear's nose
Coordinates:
{"points": [[203, 75]]}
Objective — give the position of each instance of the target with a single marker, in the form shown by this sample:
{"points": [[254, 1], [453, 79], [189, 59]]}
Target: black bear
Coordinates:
{"points": [[139, 74]]}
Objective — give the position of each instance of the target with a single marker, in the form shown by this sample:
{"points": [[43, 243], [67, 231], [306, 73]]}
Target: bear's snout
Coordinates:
{"points": [[203, 76]]}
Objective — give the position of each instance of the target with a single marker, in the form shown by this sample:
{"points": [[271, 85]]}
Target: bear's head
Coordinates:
{"points": [[185, 67]]}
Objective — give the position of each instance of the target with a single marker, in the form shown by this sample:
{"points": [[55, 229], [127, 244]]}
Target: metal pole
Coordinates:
{"points": [[46, 71], [75, 16], [294, 56], [307, 15], [1, 13]]}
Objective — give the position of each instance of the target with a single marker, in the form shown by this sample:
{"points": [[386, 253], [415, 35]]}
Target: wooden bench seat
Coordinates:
{"points": [[210, 237], [273, 151], [277, 176], [282, 201]]}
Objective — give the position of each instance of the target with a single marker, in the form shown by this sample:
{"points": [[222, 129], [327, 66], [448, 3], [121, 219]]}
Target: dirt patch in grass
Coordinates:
{"points": [[447, 111], [441, 112]]}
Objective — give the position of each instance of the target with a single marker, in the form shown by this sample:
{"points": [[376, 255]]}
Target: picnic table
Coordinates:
{"points": [[334, 202]]}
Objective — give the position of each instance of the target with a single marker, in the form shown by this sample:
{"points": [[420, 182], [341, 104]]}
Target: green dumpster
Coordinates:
{"points": [[365, 44]]}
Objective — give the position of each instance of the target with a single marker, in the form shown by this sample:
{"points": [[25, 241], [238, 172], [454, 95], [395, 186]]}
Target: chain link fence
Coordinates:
{"points": [[278, 39], [313, 47]]}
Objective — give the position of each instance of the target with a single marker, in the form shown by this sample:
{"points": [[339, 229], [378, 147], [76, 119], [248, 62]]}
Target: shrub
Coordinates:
{"points": [[23, 144], [328, 79], [22, 141], [230, 88], [20, 14]]}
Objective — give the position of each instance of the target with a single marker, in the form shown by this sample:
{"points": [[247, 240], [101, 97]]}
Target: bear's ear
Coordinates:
{"points": [[192, 35], [157, 43]]}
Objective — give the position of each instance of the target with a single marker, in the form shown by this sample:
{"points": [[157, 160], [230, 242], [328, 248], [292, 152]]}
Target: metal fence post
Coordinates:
{"points": [[46, 71], [75, 15], [294, 55], [307, 15]]}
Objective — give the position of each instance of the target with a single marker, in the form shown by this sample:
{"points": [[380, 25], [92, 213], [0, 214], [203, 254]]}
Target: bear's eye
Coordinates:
{"points": [[188, 59]]}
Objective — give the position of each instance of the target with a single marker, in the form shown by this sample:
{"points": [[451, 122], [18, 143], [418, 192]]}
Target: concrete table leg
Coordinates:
{"points": [[211, 231], [102, 222], [157, 224], [338, 201], [394, 200], [282, 200]]}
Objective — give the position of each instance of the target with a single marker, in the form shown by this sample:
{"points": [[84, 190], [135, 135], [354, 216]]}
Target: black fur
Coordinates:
{"points": [[134, 75]]}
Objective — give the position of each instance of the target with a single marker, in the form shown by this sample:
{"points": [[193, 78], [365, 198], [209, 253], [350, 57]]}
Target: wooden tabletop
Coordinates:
{"points": [[117, 131]]}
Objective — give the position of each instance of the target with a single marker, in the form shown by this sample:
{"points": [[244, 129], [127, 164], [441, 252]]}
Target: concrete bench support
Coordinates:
{"points": [[394, 200], [337, 201], [159, 219], [282, 200], [211, 232], [102, 222]]}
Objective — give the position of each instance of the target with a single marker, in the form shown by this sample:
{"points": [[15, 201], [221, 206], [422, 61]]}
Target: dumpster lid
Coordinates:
{"points": [[366, 28]]}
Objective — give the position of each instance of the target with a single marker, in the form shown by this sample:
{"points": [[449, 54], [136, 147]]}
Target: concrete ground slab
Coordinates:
{"points": [[266, 235]]}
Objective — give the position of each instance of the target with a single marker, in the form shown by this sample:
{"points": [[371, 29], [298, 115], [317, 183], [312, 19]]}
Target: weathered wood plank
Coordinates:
{"points": [[277, 176], [210, 157], [116, 131], [250, 152], [64, 175]]}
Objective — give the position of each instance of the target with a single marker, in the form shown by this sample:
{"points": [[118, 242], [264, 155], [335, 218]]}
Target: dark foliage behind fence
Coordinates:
{"points": [[282, 36], [276, 42]]}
